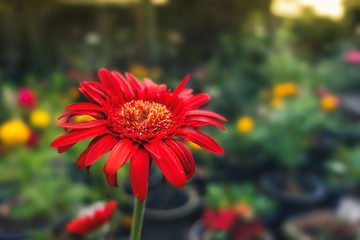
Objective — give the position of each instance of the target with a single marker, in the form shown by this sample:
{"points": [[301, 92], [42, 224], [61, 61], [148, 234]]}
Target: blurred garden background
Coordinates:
{"points": [[285, 73]]}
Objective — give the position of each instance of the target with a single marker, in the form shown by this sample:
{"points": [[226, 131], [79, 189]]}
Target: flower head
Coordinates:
{"points": [[91, 218], [285, 89], [27, 98], [245, 125], [14, 132], [143, 122], [329, 102], [221, 219], [353, 57], [40, 118]]}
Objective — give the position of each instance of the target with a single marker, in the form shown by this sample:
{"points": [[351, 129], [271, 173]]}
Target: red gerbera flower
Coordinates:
{"points": [[91, 218], [139, 121]]}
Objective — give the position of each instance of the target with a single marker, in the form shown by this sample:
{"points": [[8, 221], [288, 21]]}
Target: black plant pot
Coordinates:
{"points": [[169, 211], [325, 142], [310, 193]]}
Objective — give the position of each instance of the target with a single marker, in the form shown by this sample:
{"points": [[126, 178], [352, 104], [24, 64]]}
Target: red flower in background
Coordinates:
{"points": [[218, 219], [139, 121], [27, 98], [90, 221]]}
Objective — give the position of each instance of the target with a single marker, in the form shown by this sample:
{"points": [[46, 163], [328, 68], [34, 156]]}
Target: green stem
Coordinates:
{"points": [[137, 221]]}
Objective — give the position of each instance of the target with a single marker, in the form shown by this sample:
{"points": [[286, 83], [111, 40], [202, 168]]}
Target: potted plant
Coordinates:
{"points": [[233, 211], [287, 130]]}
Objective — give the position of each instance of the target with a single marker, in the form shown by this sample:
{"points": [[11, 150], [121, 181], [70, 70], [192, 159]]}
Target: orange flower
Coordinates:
{"points": [[329, 102], [285, 89]]}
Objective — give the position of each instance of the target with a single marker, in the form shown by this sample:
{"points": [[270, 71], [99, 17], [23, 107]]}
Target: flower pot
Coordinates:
{"points": [[295, 194], [320, 224], [168, 212]]}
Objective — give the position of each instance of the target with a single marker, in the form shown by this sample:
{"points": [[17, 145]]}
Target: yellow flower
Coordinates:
{"points": [[73, 92], [14, 132], [84, 118], [329, 102], [39, 118], [138, 70], [285, 89], [245, 125], [194, 146], [277, 102]]}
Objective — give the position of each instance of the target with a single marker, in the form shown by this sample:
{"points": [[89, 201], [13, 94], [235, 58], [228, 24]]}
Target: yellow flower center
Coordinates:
{"points": [[141, 119]]}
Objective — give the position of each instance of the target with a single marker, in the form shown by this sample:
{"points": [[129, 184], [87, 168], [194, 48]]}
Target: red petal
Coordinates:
{"points": [[190, 158], [112, 179], [82, 125], [84, 106], [181, 85], [78, 113], [181, 155], [62, 149], [109, 81], [198, 100], [205, 113], [135, 84], [76, 135], [198, 121], [100, 148], [124, 85], [88, 97], [82, 158], [120, 154], [94, 92], [139, 173], [167, 162], [200, 139]]}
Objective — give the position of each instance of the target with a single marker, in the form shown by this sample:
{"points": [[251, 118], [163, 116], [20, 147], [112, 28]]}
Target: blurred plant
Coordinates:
{"points": [[344, 168], [243, 199], [230, 206]]}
